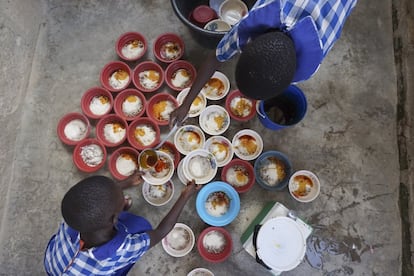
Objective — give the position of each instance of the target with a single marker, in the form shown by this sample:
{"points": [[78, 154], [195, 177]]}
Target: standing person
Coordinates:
{"points": [[281, 41], [98, 237]]}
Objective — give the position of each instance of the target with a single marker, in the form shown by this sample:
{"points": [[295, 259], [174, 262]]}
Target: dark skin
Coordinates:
{"points": [[204, 74], [97, 238]]}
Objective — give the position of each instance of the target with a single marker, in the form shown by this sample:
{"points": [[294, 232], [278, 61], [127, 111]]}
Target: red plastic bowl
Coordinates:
{"points": [[66, 119], [250, 170], [131, 133], [171, 42], [109, 69], [78, 160], [202, 14], [114, 156], [147, 66], [122, 97], [128, 38], [110, 119], [155, 100], [172, 69], [215, 257], [237, 117], [170, 147], [87, 98]]}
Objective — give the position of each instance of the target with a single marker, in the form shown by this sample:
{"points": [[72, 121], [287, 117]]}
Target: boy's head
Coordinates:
{"points": [[266, 66], [92, 204]]}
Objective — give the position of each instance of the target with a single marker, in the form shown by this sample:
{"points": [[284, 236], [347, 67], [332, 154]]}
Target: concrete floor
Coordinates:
{"points": [[352, 136]]}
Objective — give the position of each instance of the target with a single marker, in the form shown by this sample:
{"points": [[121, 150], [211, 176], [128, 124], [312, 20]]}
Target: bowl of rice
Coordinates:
{"points": [[247, 144], [200, 165], [180, 74], [214, 244], [272, 170], [158, 195], [168, 47], [162, 171], [130, 104], [218, 203], [221, 148], [123, 162], [148, 76], [89, 155], [170, 149], [304, 186], [96, 102], [143, 133], [160, 106], [240, 107], [72, 128], [188, 138], [214, 120], [180, 173], [131, 46], [217, 87], [239, 174], [116, 76], [179, 241], [200, 271], [198, 104], [111, 130]]}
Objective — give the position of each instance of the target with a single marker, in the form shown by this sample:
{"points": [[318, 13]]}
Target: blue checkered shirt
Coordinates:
{"points": [[64, 257], [313, 25]]}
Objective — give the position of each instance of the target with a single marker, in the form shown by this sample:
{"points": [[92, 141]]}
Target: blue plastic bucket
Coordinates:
{"points": [[283, 111]]}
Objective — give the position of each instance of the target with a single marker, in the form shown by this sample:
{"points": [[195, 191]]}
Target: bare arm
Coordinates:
{"points": [[168, 222], [134, 180], [204, 73]]}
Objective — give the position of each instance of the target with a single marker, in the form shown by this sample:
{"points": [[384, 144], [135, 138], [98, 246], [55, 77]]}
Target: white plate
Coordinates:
{"points": [[200, 165], [175, 244], [180, 173], [243, 144], [151, 178], [280, 244], [200, 271], [221, 148], [195, 110], [216, 92], [189, 138], [210, 117]]}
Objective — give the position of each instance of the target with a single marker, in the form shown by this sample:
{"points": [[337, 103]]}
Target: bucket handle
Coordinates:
{"points": [[258, 111]]}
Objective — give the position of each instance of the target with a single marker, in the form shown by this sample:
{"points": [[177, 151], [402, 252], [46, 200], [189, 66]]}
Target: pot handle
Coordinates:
{"points": [[258, 111]]}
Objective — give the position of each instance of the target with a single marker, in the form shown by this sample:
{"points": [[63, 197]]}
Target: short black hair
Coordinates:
{"points": [[266, 66], [91, 204]]}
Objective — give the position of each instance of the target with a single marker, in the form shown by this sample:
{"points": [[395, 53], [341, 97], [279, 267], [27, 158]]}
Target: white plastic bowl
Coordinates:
{"points": [[188, 138], [195, 110], [200, 271], [180, 173], [216, 94], [221, 148], [208, 120], [241, 141], [200, 165], [151, 198], [173, 239], [294, 185], [154, 180]]}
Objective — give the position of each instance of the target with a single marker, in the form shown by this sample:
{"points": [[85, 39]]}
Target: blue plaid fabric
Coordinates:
{"points": [[116, 257], [313, 25]]}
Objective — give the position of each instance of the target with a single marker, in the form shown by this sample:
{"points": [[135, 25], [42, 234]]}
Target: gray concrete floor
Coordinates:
{"points": [[53, 51]]}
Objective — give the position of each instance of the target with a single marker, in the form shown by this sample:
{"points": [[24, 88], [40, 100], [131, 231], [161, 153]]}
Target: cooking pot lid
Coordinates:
{"points": [[280, 244]]}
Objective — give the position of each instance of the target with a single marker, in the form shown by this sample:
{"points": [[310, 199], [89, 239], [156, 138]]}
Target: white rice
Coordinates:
{"points": [[118, 83], [219, 150], [170, 50], [158, 191], [114, 132], [199, 166], [92, 155], [149, 135], [214, 207], [241, 106], [146, 81], [75, 130], [211, 122], [132, 49], [125, 164], [214, 242], [181, 78], [237, 176], [178, 238], [132, 105], [99, 105]]}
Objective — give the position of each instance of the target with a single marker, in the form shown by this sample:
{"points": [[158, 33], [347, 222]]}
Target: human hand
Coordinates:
{"points": [[190, 189], [178, 116], [136, 178]]}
